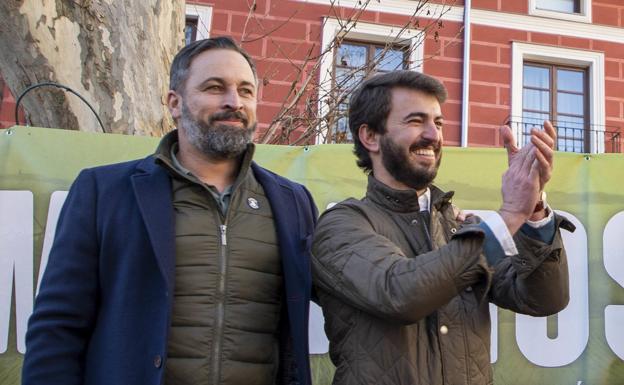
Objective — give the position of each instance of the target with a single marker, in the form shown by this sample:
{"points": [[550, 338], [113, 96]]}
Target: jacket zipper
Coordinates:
{"points": [[220, 308]]}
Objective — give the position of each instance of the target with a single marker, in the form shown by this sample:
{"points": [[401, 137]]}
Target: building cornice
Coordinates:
{"points": [[529, 23]]}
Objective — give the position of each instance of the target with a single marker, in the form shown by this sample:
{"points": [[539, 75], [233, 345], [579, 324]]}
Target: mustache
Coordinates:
{"points": [[425, 143], [230, 115]]}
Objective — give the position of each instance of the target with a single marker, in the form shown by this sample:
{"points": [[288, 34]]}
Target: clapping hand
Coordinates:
{"points": [[530, 168]]}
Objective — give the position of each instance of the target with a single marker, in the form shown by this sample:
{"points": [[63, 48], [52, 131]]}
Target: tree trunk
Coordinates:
{"points": [[114, 53]]}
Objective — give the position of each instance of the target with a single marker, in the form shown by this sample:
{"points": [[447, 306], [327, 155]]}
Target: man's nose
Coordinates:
{"points": [[232, 100], [431, 132]]}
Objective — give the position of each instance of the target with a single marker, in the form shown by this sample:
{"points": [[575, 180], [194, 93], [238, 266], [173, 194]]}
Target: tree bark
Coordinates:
{"points": [[114, 53]]}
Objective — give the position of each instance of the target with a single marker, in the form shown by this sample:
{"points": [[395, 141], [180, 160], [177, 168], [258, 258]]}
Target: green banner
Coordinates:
{"points": [[583, 344]]}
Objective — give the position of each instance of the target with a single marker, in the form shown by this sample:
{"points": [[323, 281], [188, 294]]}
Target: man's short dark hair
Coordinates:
{"points": [[371, 103], [182, 61]]}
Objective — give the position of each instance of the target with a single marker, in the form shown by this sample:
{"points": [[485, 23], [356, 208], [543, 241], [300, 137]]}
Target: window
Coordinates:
{"points": [[558, 94], [198, 20], [567, 6], [575, 10], [190, 30], [363, 44], [563, 85], [355, 61]]}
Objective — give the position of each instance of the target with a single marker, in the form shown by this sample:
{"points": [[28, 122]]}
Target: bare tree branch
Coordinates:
{"points": [[310, 110]]}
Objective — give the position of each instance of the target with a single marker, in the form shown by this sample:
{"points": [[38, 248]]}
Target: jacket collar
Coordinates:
{"points": [[403, 200]]}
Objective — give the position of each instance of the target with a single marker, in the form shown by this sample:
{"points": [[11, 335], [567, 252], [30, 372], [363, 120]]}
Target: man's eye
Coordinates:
{"points": [[246, 91]]}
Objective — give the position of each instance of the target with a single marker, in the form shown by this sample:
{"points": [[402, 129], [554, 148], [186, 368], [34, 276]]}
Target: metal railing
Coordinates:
{"points": [[572, 137]]}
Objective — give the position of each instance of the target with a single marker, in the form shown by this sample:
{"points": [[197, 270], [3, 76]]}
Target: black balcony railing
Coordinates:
{"points": [[573, 137]]}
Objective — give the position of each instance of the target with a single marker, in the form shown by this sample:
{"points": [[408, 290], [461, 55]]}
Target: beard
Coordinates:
{"points": [[396, 161], [218, 140]]}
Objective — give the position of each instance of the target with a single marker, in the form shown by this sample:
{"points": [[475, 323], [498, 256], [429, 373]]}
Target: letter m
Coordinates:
{"points": [[16, 264]]}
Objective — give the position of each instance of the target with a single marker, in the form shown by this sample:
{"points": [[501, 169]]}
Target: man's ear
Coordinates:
{"points": [[369, 138], [174, 103]]}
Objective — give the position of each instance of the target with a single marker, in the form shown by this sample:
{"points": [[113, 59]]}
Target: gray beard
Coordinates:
{"points": [[217, 141]]}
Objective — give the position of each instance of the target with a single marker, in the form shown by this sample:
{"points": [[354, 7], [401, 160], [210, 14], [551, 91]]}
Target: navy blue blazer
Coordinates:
{"points": [[103, 311]]}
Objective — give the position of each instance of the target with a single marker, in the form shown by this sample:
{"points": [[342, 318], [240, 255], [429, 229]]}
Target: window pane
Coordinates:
{"points": [[534, 118], [568, 6], [568, 145], [530, 120], [342, 125], [347, 78], [538, 77], [354, 62], [342, 133], [536, 100], [571, 122], [351, 55], [568, 80], [190, 30], [388, 59], [569, 103], [568, 113], [570, 133]]}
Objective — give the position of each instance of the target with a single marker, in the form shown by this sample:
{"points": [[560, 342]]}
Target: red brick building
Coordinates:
{"points": [[528, 60]]}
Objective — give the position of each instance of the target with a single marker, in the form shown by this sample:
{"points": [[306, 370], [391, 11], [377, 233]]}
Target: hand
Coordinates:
{"points": [[521, 182], [544, 141], [461, 215]]}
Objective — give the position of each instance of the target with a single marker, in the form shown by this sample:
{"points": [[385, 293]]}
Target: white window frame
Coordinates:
{"points": [[365, 32], [204, 19], [593, 61], [584, 16]]}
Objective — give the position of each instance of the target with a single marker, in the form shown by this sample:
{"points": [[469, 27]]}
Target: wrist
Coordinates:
{"points": [[513, 220], [541, 208]]}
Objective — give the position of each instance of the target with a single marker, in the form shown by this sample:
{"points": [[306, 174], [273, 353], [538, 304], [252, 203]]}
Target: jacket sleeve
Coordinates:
{"points": [[535, 281], [366, 270], [65, 308]]}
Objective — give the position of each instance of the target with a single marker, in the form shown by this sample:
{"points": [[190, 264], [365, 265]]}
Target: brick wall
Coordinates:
{"points": [[604, 12], [280, 34], [7, 107]]}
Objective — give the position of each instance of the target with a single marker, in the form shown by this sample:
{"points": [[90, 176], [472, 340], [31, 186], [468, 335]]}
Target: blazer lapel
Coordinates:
{"points": [[152, 190]]}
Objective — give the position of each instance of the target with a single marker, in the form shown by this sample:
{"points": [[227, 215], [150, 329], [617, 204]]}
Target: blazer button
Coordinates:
{"points": [[443, 330], [157, 361]]}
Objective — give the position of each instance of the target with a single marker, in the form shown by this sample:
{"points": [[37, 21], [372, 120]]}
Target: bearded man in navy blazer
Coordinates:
{"points": [[190, 266]]}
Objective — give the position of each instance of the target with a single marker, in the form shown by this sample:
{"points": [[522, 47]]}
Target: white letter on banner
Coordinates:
{"points": [[573, 321], [614, 264], [319, 344], [16, 255], [56, 204], [494, 333]]}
